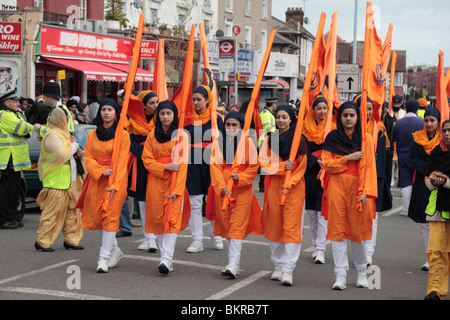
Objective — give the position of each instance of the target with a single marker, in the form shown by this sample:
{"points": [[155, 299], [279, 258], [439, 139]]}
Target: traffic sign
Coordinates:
{"points": [[348, 78], [226, 49], [236, 30]]}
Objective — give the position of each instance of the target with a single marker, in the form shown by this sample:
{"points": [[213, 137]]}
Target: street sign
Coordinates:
{"points": [[226, 49], [236, 30], [348, 78], [61, 74]]}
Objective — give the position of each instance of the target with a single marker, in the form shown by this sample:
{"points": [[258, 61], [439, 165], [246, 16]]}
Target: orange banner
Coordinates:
{"points": [[441, 90], [159, 85], [392, 81]]}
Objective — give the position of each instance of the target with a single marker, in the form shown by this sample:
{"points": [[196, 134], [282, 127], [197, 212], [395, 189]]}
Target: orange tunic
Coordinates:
{"points": [[340, 195], [98, 158], [282, 224], [243, 215], [155, 156]]}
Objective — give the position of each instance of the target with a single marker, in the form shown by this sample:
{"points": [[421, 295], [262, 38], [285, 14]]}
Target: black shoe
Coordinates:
{"points": [[39, 247], [123, 233], [69, 246], [432, 296], [9, 225]]}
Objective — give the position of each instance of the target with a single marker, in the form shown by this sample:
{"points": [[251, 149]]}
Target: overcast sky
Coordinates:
{"points": [[422, 28]]}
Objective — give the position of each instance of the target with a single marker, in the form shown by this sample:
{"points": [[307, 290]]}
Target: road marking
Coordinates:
{"points": [[23, 275], [179, 262], [392, 211], [59, 294], [237, 286]]}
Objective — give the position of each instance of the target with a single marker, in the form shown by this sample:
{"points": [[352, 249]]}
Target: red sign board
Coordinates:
{"points": [[75, 44], [226, 48], [10, 37], [148, 49], [236, 30]]}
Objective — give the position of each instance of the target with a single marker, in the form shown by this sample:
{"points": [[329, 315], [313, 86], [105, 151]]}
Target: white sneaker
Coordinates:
{"points": [[340, 284], [144, 245], [165, 267], [320, 257], [286, 278], [114, 258], [362, 280], [218, 244], [152, 247], [425, 266], [369, 260], [102, 266], [196, 246], [314, 254], [231, 271], [276, 274]]}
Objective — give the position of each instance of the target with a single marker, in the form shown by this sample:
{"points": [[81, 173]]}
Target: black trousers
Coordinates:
{"points": [[9, 193]]}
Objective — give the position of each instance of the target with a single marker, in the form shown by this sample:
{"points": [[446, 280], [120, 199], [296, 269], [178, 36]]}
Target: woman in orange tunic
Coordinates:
{"points": [[98, 152], [341, 155], [283, 225], [243, 214], [163, 155]]}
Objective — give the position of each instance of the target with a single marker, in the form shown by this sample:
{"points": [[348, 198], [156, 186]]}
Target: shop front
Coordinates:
{"points": [[87, 64]]}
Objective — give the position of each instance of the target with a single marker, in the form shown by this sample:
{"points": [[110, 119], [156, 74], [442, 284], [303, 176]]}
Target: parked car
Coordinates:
{"points": [[21, 200], [34, 185]]}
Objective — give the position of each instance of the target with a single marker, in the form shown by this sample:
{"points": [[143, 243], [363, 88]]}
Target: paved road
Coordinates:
{"points": [[65, 274]]}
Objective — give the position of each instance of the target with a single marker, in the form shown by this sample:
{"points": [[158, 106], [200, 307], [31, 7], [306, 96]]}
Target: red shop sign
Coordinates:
{"points": [[82, 45], [148, 49], [10, 37]]}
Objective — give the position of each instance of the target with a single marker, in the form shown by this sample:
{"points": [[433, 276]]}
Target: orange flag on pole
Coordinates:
{"points": [[441, 90], [249, 115], [330, 70], [181, 101], [447, 82], [159, 85], [129, 83], [310, 90], [392, 80], [385, 58]]}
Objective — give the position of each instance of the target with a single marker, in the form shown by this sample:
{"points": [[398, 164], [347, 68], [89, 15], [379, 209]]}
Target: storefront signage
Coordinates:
{"points": [[82, 45], [11, 37], [148, 49]]}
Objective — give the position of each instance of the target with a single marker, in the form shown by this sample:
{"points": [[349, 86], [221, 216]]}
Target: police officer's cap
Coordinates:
{"points": [[9, 95], [272, 99]]}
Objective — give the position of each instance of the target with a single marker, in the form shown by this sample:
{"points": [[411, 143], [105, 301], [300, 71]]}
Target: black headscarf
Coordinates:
{"points": [[161, 135], [228, 147], [337, 141], [286, 138], [104, 134]]}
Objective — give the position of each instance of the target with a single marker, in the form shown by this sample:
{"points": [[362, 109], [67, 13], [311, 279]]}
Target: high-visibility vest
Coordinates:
{"points": [[14, 132], [421, 113], [60, 177], [268, 123]]}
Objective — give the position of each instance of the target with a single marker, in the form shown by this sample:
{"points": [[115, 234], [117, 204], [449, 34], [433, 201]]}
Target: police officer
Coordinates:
{"points": [[268, 123], [14, 157], [52, 95]]}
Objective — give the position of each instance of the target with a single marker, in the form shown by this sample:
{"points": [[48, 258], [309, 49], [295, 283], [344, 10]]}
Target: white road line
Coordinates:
{"points": [[23, 275], [55, 293], [237, 286], [176, 262], [392, 211]]}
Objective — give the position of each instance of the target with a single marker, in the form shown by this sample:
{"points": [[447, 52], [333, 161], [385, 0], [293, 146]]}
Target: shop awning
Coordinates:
{"points": [[99, 71], [141, 74], [280, 83]]}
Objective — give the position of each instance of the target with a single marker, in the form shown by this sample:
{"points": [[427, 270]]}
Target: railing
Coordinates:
{"points": [[55, 17]]}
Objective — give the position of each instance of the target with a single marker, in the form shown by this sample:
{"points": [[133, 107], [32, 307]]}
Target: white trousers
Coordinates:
{"points": [[142, 212], [341, 260], [166, 244], [196, 218], [318, 226], [425, 231], [370, 244], [234, 251], [284, 255], [109, 244], [406, 198]]}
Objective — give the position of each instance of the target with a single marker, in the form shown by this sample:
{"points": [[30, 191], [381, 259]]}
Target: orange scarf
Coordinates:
{"points": [[134, 128], [371, 124], [315, 132], [421, 138], [203, 118]]}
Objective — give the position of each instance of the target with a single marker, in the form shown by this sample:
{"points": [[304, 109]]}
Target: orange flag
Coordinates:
{"points": [[208, 80], [123, 118], [310, 90], [159, 85], [329, 70], [249, 115], [447, 82], [392, 79], [441, 93], [182, 97], [385, 58]]}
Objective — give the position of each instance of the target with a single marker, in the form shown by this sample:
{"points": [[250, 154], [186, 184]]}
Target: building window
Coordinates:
{"points": [[153, 15], [263, 40], [228, 29], [248, 38], [248, 7], [264, 9], [39, 3], [229, 5], [398, 79], [82, 9]]}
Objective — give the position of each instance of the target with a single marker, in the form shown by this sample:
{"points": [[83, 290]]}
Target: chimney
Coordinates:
{"points": [[294, 15]]}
